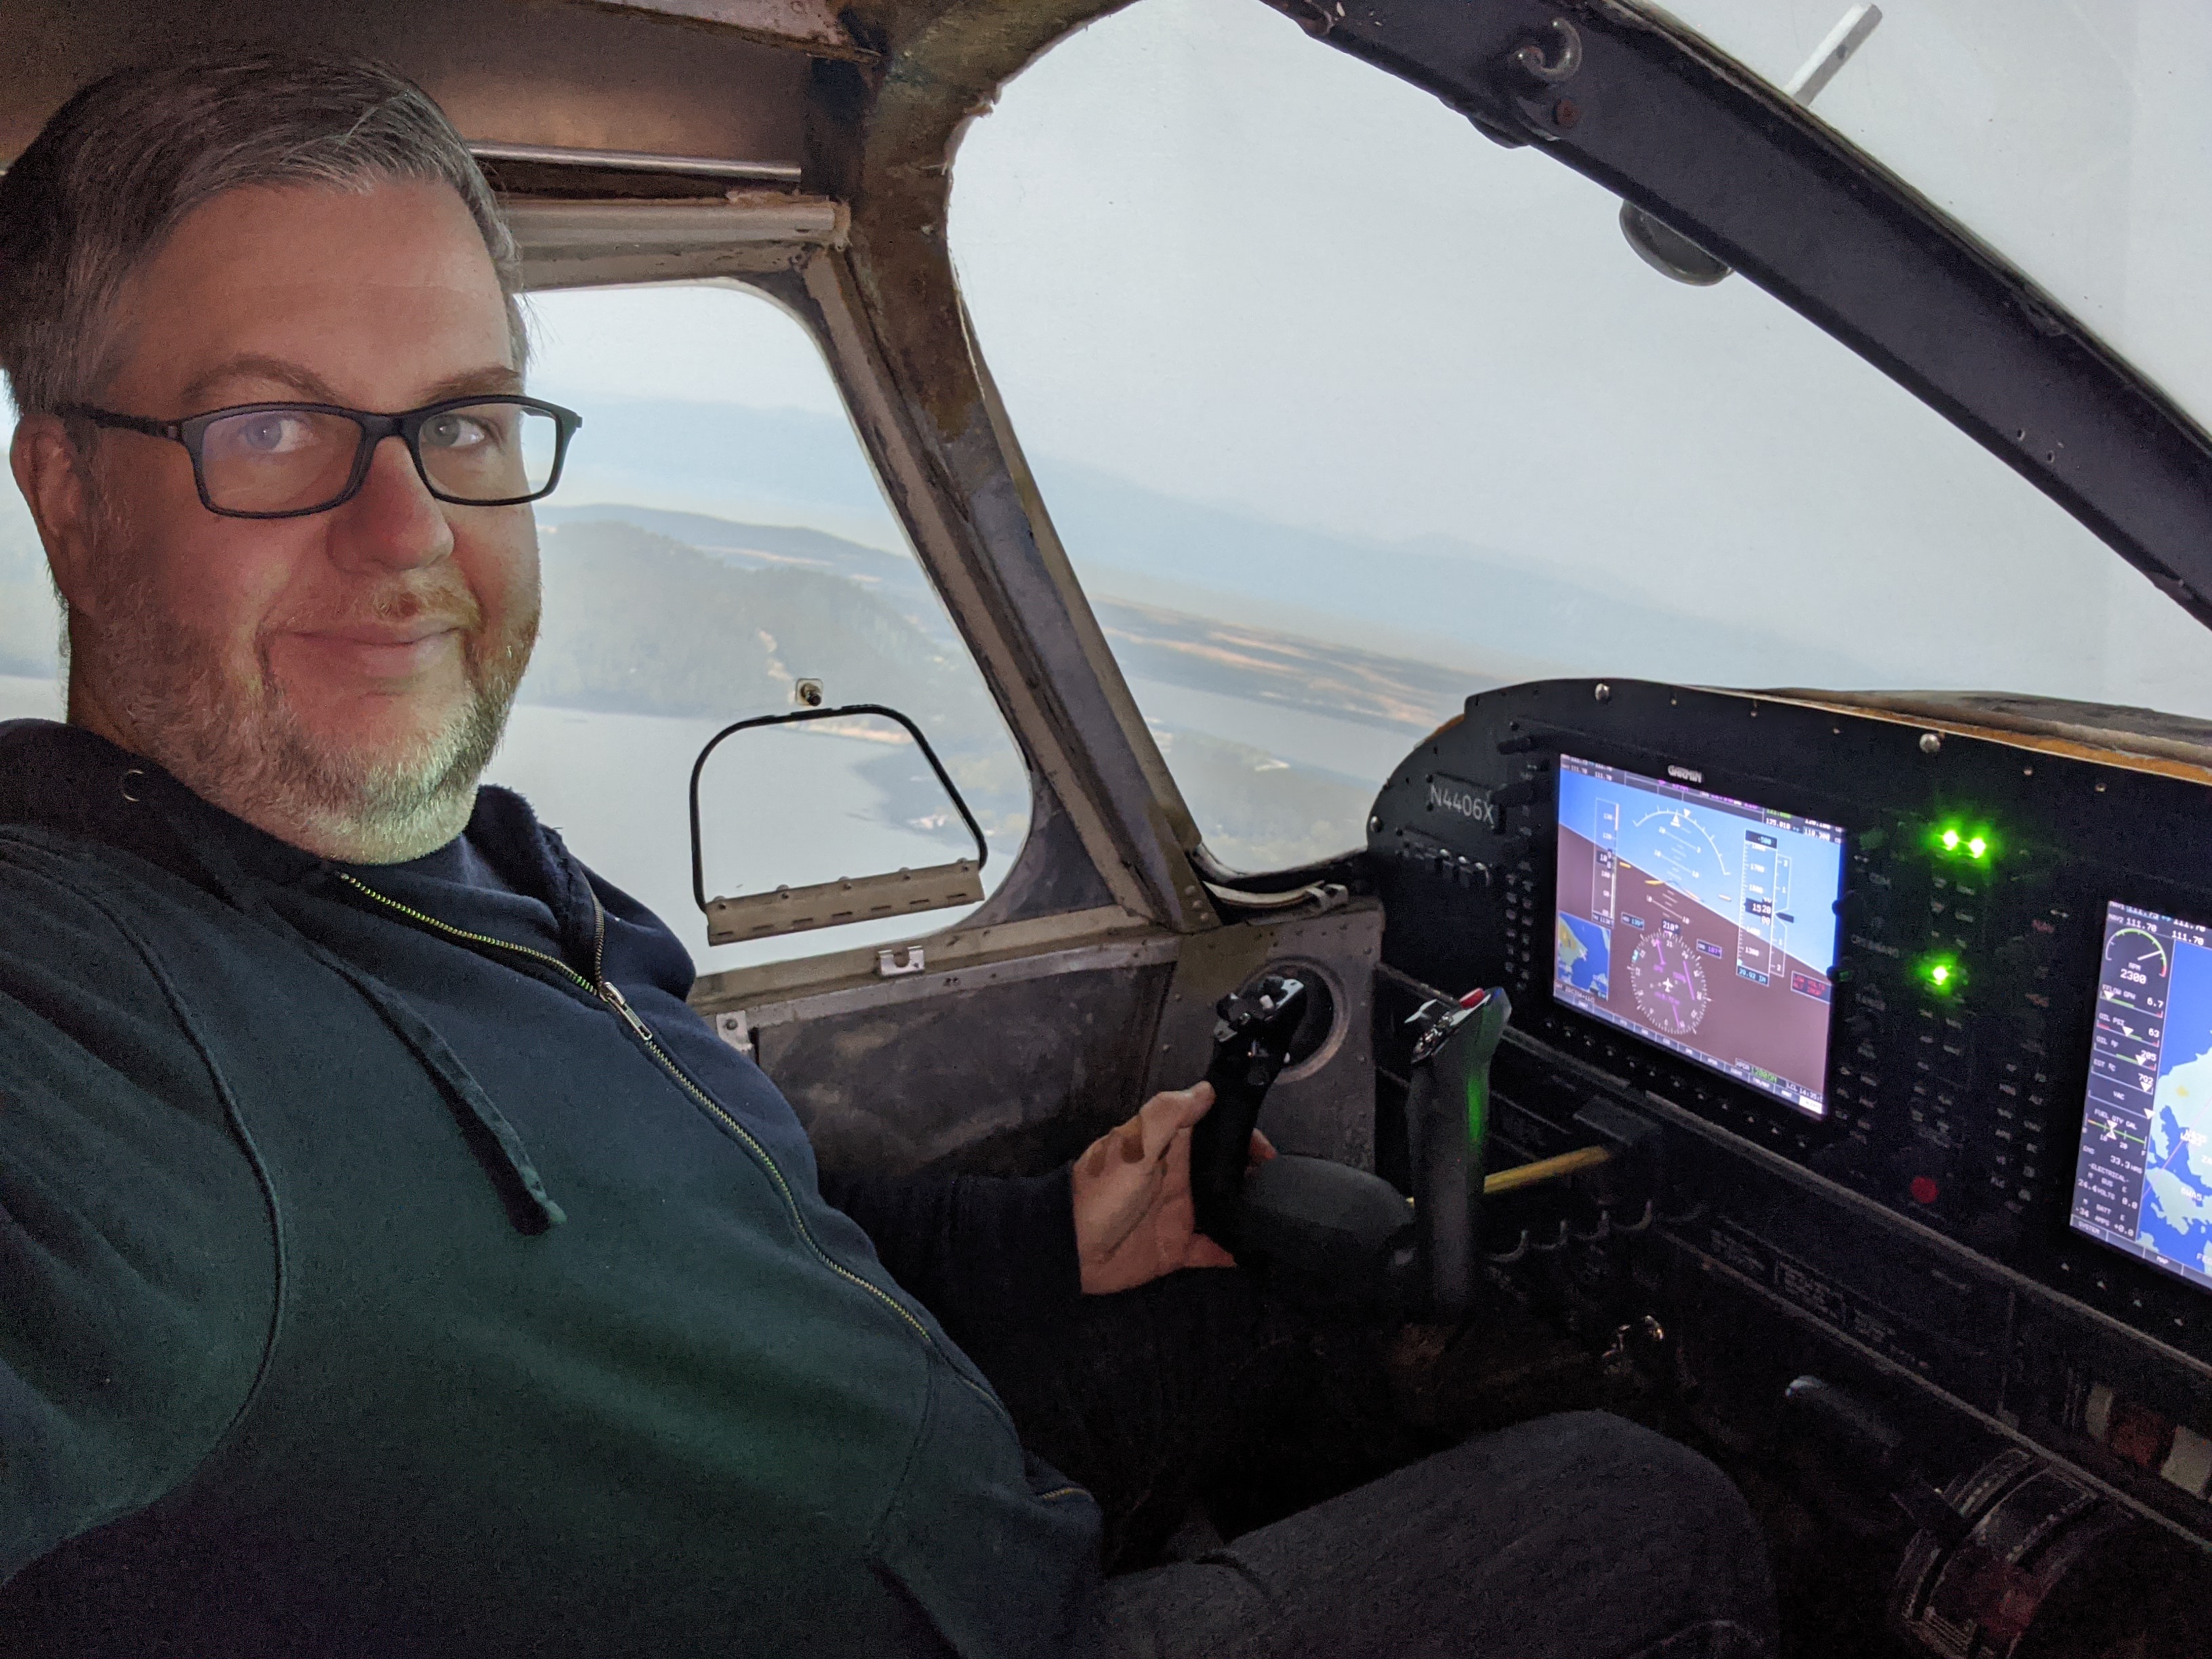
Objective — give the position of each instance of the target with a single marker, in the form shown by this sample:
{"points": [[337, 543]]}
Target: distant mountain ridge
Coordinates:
{"points": [[816, 548], [1480, 598], [1151, 642]]}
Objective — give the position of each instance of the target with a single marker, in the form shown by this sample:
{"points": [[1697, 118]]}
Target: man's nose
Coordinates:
{"points": [[393, 521]]}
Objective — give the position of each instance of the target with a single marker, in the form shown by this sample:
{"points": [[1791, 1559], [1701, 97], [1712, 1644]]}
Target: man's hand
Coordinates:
{"points": [[1132, 1205]]}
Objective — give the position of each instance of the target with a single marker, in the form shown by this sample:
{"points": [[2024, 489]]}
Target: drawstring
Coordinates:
{"points": [[495, 1139], [490, 1136]]}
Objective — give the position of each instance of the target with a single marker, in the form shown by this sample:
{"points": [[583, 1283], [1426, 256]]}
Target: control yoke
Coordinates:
{"points": [[1251, 1044], [1341, 1229], [1344, 1232], [1448, 1135]]}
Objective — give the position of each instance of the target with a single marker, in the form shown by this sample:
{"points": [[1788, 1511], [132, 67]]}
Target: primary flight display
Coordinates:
{"points": [[1704, 925]]}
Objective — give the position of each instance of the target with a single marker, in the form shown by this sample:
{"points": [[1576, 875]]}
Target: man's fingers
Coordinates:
{"points": [[1204, 1253], [1262, 1149], [1167, 1112]]}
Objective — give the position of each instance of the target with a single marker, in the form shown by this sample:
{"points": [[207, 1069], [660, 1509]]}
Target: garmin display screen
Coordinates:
{"points": [[1703, 925]]}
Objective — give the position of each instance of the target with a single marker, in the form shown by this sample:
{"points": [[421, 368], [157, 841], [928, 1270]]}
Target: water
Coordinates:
{"points": [[782, 809], [1352, 748]]}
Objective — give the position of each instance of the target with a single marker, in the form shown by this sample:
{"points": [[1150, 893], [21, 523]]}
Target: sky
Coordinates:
{"points": [[1204, 251]]}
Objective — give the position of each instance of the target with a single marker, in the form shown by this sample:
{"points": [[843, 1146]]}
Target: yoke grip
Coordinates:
{"points": [[1447, 1133], [1251, 1043]]}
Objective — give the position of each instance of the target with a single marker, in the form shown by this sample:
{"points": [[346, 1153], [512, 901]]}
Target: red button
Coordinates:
{"points": [[1924, 1189]]}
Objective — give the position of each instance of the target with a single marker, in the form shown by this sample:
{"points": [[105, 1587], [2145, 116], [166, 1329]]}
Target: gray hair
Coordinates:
{"points": [[119, 165]]}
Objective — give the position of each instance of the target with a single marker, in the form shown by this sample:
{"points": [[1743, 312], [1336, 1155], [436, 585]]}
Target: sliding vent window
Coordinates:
{"points": [[719, 551], [1343, 412]]}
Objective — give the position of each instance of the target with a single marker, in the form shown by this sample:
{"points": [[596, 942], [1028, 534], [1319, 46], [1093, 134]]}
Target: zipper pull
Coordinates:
{"points": [[610, 994]]}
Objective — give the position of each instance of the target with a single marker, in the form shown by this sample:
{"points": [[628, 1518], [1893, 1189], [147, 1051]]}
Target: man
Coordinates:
{"points": [[394, 1264]]}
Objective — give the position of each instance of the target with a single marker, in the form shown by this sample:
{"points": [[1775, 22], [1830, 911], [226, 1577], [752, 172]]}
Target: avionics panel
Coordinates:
{"points": [[2144, 1181], [1704, 925], [1978, 966]]}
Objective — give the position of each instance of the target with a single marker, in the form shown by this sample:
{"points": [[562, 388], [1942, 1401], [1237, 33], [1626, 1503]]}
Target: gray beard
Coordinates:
{"points": [[244, 749]]}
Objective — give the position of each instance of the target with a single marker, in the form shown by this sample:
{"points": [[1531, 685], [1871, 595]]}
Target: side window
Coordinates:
{"points": [[30, 621], [1343, 412], [718, 536]]}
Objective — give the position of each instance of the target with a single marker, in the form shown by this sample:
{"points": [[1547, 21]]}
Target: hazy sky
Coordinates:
{"points": [[687, 342], [2075, 136], [1203, 252]]}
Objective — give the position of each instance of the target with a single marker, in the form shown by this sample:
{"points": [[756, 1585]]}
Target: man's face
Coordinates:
{"points": [[339, 679]]}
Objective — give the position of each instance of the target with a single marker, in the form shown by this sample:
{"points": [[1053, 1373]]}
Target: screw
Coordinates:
{"points": [[1566, 112], [1931, 742]]}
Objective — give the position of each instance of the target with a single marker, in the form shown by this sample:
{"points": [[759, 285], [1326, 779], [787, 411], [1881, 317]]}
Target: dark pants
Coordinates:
{"points": [[1580, 1536], [1575, 1536]]}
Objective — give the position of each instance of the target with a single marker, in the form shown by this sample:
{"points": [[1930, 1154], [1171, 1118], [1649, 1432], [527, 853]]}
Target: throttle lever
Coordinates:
{"points": [[1251, 1044]]}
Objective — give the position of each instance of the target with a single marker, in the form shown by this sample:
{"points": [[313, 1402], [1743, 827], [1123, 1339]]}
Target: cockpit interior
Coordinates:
{"points": [[1655, 563]]}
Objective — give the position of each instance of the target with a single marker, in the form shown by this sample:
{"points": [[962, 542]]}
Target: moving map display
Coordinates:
{"points": [[2144, 1183], [1704, 925]]}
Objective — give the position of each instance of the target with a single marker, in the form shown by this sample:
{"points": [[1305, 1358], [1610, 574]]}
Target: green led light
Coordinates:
{"points": [[1960, 840], [1942, 975]]}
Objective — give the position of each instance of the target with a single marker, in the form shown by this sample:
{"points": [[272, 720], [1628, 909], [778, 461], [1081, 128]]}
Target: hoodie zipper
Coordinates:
{"points": [[609, 995]]}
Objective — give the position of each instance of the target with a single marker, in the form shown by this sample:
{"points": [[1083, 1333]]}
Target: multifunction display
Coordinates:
{"points": [[1704, 925], [2144, 1181]]}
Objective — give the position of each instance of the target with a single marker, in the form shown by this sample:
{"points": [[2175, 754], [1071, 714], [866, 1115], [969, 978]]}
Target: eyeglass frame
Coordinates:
{"points": [[191, 433]]}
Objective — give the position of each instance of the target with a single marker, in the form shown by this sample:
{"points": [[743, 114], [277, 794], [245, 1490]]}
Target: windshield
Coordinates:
{"points": [[2075, 137], [1343, 412]]}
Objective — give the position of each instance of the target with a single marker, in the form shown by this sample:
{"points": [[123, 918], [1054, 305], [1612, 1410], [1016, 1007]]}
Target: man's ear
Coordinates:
{"points": [[50, 472]]}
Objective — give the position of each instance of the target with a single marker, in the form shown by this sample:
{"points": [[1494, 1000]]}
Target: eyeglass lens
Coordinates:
{"points": [[291, 460]]}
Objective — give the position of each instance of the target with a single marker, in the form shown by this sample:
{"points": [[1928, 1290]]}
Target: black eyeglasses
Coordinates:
{"points": [[287, 460]]}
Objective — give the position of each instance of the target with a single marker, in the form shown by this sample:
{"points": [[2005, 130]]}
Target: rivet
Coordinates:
{"points": [[1931, 742], [1602, 692]]}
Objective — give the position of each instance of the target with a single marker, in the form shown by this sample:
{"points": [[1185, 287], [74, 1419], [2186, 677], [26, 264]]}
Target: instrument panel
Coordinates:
{"points": [[1926, 1005]]}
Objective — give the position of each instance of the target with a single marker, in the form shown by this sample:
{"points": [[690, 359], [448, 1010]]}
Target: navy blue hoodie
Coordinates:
{"points": [[394, 1265]]}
